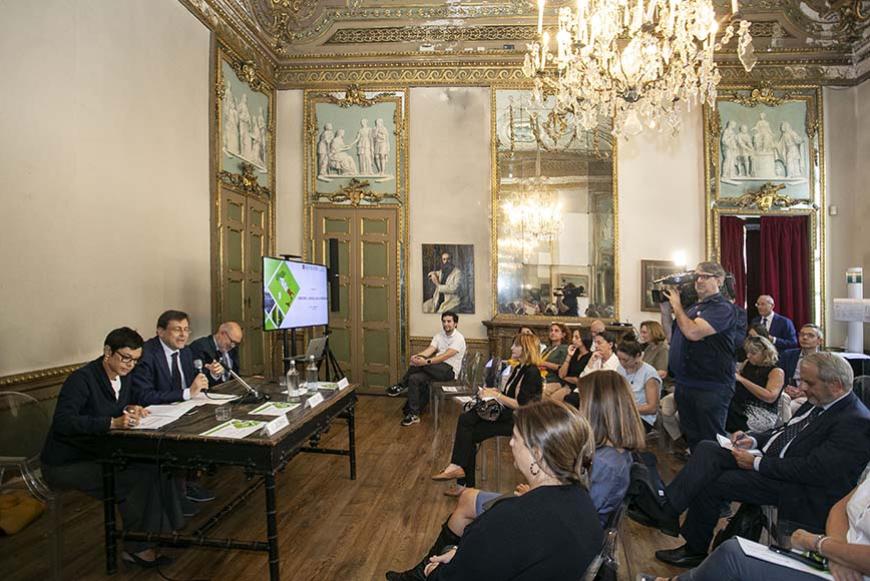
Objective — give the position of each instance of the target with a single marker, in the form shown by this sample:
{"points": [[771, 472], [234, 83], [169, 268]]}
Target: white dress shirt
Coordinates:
{"points": [[169, 352]]}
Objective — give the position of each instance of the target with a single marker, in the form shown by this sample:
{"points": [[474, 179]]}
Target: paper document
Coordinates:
{"points": [[273, 408], [759, 551], [450, 389], [154, 422], [726, 443], [463, 399], [161, 415], [213, 398], [234, 429]]}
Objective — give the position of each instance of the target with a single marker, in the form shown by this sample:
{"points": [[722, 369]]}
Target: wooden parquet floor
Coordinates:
{"points": [[330, 527]]}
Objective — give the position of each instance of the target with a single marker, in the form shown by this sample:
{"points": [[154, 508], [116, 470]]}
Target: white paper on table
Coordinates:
{"points": [[154, 421], [176, 409], [759, 551], [273, 408], [214, 398], [463, 399], [450, 389], [726, 443], [234, 429]]}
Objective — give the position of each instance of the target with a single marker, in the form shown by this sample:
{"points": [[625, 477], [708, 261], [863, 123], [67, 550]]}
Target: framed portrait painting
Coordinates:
{"points": [[448, 278], [652, 270]]}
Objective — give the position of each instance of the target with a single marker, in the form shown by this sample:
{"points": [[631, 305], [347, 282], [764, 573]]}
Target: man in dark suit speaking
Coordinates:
{"points": [[803, 468], [781, 329], [222, 347], [166, 373]]}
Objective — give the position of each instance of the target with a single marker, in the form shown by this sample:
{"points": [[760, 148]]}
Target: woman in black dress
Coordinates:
{"points": [[524, 385], [755, 405], [579, 353], [551, 532]]}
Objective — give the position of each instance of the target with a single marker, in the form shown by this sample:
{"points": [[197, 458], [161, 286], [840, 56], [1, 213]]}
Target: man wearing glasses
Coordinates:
{"points": [[166, 373], [221, 348], [701, 356], [781, 328]]}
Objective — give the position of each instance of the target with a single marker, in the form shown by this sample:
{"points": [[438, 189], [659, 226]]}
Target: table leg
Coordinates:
{"points": [[351, 440], [109, 518], [272, 527]]}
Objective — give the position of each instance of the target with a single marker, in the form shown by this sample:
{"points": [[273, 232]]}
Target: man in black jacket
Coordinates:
{"points": [[803, 468], [94, 399], [222, 348]]}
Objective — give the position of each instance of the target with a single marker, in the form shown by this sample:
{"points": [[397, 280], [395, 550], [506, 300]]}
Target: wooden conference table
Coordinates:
{"points": [[179, 446]]}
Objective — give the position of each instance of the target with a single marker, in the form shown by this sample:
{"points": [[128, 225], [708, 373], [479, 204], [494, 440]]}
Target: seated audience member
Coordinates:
{"points": [[221, 348], [781, 329], [755, 330], [524, 385], [579, 353], [643, 378], [596, 328], [846, 545], [810, 338], [655, 347], [440, 361], [550, 532], [166, 366], [554, 355], [603, 356], [804, 467], [755, 405], [94, 399]]}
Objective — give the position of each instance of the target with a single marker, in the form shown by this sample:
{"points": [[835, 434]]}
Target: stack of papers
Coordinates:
{"points": [[274, 408], [162, 415], [759, 551], [234, 429], [213, 398]]}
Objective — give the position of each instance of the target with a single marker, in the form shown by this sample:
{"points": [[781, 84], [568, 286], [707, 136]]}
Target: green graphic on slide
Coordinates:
{"points": [[283, 288]]}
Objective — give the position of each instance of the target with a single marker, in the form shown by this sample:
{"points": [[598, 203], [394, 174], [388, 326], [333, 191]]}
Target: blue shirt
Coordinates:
{"points": [[638, 381], [708, 363]]}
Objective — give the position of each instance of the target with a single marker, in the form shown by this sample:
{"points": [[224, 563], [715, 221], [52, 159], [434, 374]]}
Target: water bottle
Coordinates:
{"points": [[311, 374], [292, 382]]}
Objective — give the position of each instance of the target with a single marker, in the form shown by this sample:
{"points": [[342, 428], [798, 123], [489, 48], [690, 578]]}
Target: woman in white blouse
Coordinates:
{"points": [[846, 545], [603, 357]]}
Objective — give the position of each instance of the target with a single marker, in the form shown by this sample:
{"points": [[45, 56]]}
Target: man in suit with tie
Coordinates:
{"points": [[810, 339], [803, 468], [166, 373], [781, 329], [222, 347]]}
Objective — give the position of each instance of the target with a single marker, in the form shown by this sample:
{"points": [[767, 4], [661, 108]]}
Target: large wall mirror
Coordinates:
{"points": [[554, 212]]}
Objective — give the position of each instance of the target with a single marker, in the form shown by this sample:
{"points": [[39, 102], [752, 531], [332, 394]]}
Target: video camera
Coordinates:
{"points": [[684, 283], [569, 290]]}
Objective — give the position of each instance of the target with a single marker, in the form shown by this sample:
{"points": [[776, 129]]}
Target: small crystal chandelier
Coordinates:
{"points": [[635, 61], [534, 212]]}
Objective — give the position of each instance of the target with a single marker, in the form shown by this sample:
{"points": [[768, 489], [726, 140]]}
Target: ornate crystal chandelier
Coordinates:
{"points": [[534, 212], [635, 61]]}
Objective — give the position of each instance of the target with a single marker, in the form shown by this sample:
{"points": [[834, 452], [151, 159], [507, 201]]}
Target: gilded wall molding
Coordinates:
{"points": [[49, 374]]}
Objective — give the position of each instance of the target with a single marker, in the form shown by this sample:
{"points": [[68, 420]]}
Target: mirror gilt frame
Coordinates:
{"points": [[777, 196], [496, 217]]}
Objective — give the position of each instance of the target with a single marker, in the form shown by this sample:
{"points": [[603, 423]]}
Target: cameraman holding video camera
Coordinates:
{"points": [[702, 354]]}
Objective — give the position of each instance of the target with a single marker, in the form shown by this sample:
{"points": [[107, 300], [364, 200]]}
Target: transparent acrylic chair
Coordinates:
{"points": [[23, 427]]}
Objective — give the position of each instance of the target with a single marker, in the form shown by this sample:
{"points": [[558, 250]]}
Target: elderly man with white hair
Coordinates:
{"points": [[780, 328], [221, 348]]}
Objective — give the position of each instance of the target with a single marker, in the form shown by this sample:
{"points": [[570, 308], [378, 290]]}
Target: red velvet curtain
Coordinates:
{"points": [[731, 238], [785, 266]]}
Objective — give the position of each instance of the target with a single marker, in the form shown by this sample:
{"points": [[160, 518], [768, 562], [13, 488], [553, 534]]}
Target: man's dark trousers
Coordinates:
{"points": [[702, 411], [418, 379]]}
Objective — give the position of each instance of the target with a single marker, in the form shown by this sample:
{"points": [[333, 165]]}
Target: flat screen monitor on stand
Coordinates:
{"points": [[295, 296]]}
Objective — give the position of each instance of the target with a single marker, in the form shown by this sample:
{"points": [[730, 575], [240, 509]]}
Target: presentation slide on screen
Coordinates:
{"points": [[294, 294]]}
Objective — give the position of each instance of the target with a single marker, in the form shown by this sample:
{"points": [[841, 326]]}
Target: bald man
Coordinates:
{"points": [[219, 352], [780, 328]]}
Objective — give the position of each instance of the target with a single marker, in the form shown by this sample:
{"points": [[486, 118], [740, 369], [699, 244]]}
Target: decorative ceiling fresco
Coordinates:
{"points": [[302, 42]]}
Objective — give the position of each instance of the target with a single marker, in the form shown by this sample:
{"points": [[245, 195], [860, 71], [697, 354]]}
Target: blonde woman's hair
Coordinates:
{"points": [[607, 402], [762, 345], [559, 437], [656, 331], [531, 346]]}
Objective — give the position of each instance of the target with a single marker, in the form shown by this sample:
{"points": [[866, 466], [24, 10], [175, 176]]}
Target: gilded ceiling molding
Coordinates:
{"points": [[40, 375], [398, 73]]}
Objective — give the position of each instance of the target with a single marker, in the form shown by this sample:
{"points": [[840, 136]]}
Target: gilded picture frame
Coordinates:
{"points": [[356, 145], [768, 189]]}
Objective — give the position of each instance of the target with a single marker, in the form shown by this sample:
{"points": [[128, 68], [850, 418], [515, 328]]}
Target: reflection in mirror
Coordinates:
{"points": [[555, 212]]}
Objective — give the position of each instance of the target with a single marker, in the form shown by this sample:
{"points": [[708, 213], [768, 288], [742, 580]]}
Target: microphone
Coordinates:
{"points": [[197, 364], [253, 396]]}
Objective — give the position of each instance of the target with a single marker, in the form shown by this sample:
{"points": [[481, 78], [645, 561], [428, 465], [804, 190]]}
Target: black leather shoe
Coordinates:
{"points": [[160, 561], [681, 557], [655, 516]]}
